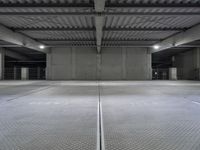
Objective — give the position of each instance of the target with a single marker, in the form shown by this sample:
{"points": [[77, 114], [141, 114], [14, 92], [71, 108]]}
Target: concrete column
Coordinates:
{"points": [[149, 65], [38, 73], [73, 63], [124, 63], [24, 73], [2, 63], [48, 65], [198, 64], [173, 61], [99, 66], [15, 72], [172, 73], [198, 57]]}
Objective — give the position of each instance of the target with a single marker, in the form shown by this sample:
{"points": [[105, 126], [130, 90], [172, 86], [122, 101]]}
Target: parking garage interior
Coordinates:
{"points": [[99, 74]]}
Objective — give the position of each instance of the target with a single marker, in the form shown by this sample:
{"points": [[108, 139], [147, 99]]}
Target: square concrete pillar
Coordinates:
{"points": [[49, 65], [15, 73], [24, 73], [2, 63], [38, 73], [172, 73]]}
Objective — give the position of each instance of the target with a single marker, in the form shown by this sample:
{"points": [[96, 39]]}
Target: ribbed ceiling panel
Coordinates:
{"points": [[154, 1], [44, 1], [47, 22], [137, 35], [151, 21], [125, 23], [61, 35]]}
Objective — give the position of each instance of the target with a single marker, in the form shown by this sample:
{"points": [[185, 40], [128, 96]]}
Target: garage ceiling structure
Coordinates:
{"points": [[99, 23]]}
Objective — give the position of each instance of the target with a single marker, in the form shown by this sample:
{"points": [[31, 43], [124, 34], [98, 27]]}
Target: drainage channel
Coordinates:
{"points": [[100, 131]]}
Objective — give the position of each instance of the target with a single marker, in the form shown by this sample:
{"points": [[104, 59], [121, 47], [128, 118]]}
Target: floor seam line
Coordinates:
{"points": [[101, 130]]}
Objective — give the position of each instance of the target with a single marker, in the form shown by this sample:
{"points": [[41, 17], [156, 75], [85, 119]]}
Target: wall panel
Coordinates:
{"points": [[112, 64]]}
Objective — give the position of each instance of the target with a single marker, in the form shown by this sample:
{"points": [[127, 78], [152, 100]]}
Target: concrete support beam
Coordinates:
{"points": [[49, 65], [75, 5], [198, 58], [99, 66], [25, 73], [2, 65], [15, 72], [52, 14], [19, 39], [185, 37], [93, 29], [149, 64], [197, 64], [99, 22], [172, 73], [99, 5]]}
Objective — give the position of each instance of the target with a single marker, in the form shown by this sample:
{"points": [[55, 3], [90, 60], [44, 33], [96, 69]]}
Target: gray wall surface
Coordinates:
{"points": [[188, 65], [2, 65], [111, 64]]}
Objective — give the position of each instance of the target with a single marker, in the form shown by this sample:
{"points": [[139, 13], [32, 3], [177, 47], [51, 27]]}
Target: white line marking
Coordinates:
{"points": [[98, 127], [100, 130]]}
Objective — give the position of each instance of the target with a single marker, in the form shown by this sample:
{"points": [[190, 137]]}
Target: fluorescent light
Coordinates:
{"points": [[41, 46], [156, 46]]}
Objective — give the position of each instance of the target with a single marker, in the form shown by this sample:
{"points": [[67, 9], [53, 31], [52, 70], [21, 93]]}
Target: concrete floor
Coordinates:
{"points": [[143, 115]]}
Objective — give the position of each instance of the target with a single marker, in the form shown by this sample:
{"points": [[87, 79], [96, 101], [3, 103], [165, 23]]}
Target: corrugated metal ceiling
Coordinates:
{"points": [[118, 21], [47, 22], [61, 35], [153, 1], [151, 21], [107, 1], [45, 1]]}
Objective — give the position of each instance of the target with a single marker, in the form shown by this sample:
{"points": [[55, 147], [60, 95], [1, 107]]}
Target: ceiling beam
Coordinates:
{"points": [[179, 39], [144, 29], [115, 45], [53, 29], [99, 6], [90, 5], [46, 5], [152, 6], [151, 13], [189, 45], [19, 39], [10, 45], [92, 40], [6, 14], [91, 45], [93, 29]]}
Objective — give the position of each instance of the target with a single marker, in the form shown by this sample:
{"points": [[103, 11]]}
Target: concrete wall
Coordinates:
{"points": [[188, 64], [111, 64], [2, 65], [71, 63]]}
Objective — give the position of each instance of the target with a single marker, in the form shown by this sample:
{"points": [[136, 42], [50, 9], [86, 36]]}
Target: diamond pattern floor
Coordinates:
{"points": [[144, 115]]}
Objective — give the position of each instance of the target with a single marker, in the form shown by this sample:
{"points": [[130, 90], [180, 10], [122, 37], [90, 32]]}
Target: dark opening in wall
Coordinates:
{"points": [[13, 68]]}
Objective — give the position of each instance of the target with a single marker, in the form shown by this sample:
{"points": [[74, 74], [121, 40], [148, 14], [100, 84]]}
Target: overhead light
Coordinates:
{"points": [[41, 46], [156, 46]]}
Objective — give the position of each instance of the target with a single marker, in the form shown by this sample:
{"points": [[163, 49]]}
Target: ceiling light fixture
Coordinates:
{"points": [[156, 46], [42, 47]]}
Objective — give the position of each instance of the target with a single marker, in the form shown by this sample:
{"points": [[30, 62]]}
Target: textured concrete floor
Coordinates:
{"points": [[149, 115]]}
